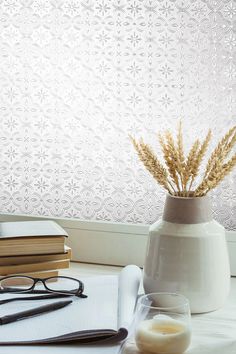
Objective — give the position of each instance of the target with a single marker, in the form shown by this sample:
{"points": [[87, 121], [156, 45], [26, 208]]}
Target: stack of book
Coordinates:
{"points": [[33, 248]]}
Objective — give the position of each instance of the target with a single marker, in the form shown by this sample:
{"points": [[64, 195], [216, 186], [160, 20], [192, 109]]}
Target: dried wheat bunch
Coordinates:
{"points": [[179, 173]]}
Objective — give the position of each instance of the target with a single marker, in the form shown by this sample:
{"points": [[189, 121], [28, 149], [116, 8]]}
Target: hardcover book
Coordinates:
{"points": [[34, 267], [26, 259], [31, 237]]}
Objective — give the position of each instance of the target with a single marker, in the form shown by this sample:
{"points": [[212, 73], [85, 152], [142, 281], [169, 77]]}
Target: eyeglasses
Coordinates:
{"points": [[58, 285]]}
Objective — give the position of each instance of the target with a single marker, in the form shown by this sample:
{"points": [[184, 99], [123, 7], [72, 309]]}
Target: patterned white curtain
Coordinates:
{"points": [[77, 77]]}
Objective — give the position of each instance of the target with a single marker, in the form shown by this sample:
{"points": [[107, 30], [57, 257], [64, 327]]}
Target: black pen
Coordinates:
{"points": [[34, 298], [33, 312]]}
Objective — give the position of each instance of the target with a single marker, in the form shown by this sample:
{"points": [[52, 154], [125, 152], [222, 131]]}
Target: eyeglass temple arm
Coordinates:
{"points": [[34, 291], [11, 290], [40, 297]]}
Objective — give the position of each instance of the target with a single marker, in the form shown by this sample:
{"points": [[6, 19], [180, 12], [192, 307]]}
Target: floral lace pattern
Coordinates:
{"points": [[77, 77]]}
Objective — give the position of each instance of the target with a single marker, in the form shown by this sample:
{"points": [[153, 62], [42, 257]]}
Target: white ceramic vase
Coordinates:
{"points": [[187, 254]]}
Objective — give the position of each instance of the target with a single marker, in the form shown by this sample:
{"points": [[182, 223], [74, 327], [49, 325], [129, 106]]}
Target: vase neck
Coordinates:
{"points": [[180, 210]]}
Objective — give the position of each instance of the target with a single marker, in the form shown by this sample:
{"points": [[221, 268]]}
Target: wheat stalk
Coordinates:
{"points": [[197, 159], [181, 158], [151, 163], [230, 144], [190, 163], [174, 161], [216, 177], [219, 152], [169, 162]]}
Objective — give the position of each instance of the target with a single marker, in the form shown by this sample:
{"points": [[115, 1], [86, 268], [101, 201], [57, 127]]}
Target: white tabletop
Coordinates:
{"points": [[213, 332]]}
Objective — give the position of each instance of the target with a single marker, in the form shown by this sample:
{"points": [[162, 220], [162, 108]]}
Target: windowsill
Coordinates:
{"points": [[111, 243], [86, 269]]}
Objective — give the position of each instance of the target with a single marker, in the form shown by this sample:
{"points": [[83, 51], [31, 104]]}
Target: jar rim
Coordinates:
{"points": [[178, 306]]}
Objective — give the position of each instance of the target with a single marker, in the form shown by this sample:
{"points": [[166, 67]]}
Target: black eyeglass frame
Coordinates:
{"points": [[76, 292]]}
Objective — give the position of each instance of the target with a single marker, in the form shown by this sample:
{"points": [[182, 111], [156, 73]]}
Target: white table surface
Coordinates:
{"points": [[213, 332]]}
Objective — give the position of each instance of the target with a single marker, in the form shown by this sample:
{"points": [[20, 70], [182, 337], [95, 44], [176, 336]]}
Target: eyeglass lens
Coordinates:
{"points": [[62, 284], [16, 284]]}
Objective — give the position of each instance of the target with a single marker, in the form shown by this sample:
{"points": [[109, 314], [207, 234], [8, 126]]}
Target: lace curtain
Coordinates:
{"points": [[77, 77]]}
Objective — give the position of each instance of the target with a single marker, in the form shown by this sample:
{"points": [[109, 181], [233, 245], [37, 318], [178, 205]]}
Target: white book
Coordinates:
{"points": [[108, 309]]}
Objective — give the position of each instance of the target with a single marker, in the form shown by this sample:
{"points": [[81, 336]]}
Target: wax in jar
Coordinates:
{"points": [[162, 334]]}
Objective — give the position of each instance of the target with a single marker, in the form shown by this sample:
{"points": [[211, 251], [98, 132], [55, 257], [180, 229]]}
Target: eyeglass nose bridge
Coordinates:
{"points": [[37, 280]]}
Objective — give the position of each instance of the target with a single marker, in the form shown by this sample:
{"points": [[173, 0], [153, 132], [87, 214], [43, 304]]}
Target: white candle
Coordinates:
{"points": [[162, 334]]}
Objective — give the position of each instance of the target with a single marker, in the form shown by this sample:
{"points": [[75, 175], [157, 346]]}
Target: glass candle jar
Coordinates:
{"points": [[161, 325]]}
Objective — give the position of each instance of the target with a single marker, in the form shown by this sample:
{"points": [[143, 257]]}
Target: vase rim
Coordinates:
{"points": [[187, 210], [187, 198]]}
